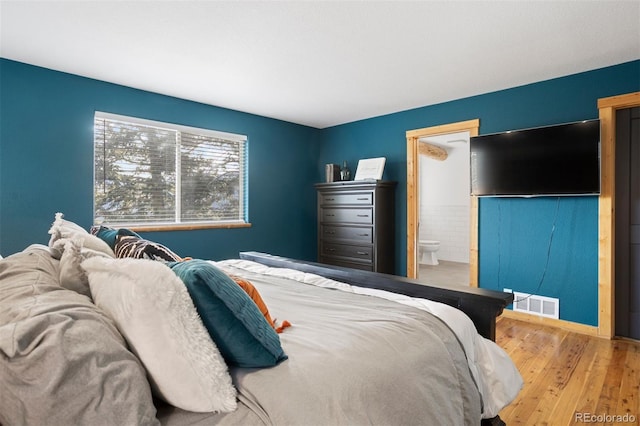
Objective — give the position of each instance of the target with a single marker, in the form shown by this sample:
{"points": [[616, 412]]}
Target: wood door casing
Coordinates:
{"points": [[627, 228], [606, 213], [413, 201]]}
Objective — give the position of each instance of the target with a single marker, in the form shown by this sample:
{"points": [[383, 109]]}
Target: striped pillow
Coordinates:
{"points": [[138, 248]]}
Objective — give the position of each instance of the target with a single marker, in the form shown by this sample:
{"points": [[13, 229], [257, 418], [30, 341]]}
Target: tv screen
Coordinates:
{"points": [[544, 161]]}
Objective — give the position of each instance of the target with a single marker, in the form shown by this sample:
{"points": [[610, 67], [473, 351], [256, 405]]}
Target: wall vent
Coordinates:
{"points": [[537, 305]]}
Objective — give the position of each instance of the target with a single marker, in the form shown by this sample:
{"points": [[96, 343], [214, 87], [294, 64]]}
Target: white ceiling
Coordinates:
{"points": [[321, 63]]}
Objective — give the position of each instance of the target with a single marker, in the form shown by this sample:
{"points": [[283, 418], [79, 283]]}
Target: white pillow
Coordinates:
{"points": [[64, 229], [154, 312], [72, 276]]}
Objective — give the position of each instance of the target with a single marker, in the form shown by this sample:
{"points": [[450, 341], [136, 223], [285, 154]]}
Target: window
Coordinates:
{"points": [[156, 174]]}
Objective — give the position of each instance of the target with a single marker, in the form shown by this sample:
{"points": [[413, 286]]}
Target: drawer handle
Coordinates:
{"points": [[329, 215], [330, 232], [330, 199], [363, 199], [363, 235], [362, 253], [363, 215], [331, 249]]}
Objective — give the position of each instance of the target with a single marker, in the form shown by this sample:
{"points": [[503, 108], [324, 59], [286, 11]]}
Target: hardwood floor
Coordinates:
{"points": [[569, 378]]}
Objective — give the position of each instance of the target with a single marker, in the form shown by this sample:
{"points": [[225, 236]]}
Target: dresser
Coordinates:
{"points": [[356, 224]]}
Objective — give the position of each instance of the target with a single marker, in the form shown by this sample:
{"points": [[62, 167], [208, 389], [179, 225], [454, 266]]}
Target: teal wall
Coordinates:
{"points": [[46, 145], [513, 233], [46, 154]]}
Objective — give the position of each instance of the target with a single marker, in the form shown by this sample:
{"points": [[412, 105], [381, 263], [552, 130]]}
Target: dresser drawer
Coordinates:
{"points": [[364, 216], [351, 233], [364, 198], [347, 251]]}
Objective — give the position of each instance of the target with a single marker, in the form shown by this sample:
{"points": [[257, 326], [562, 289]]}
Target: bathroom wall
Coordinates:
{"points": [[448, 224], [444, 198]]}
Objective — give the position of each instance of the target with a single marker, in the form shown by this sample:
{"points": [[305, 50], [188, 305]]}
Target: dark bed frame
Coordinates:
{"points": [[481, 305]]}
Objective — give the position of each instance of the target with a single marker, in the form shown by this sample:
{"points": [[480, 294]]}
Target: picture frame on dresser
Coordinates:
{"points": [[370, 169], [356, 224]]}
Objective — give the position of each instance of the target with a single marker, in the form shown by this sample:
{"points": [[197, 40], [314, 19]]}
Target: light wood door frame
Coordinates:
{"points": [[413, 196], [606, 210]]}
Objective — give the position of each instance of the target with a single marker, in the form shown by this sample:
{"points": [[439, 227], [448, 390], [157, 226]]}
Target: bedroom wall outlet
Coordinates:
{"points": [[537, 305]]}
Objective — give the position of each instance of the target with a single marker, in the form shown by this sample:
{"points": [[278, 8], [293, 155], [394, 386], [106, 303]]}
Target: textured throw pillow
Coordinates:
{"points": [[235, 323], [64, 229], [108, 235], [257, 299], [156, 316], [138, 248]]}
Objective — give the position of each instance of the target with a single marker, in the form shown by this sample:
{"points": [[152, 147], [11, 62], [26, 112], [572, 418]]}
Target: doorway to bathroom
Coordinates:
{"points": [[443, 225], [441, 215]]}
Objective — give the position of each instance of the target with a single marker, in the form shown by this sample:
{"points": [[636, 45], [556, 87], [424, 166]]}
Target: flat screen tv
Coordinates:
{"points": [[544, 161]]}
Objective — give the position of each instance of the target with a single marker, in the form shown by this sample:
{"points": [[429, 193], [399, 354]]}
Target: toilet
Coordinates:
{"points": [[428, 249]]}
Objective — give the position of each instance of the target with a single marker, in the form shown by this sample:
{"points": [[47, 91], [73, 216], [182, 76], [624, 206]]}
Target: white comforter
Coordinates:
{"points": [[496, 376]]}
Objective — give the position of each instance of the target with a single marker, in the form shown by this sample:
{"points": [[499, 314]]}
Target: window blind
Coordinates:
{"points": [[148, 172]]}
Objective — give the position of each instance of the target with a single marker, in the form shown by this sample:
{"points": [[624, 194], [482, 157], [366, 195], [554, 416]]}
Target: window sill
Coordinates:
{"points": [[187, 227]]}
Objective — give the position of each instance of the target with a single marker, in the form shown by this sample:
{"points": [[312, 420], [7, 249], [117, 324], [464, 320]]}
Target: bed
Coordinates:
{"points": [[87, 337]]}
